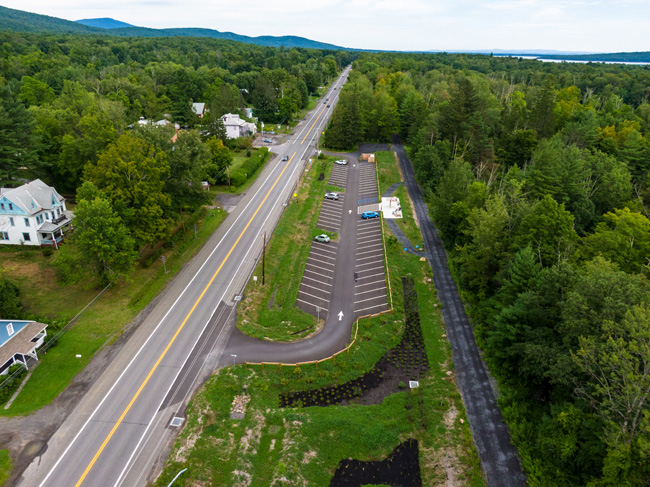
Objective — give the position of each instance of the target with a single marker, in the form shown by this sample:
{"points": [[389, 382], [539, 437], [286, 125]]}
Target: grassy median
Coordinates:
{"points": [[300, 446], [269, 311]]}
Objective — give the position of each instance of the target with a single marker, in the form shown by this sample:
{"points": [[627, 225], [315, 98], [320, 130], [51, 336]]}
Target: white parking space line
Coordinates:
{"points": [[368, 239], [370, 299], [319, 267], [370, 283], [326, 218], [330, 211], [366, 258], [372, 307], [316, 288], [368, 277], [324, 256], [312, 296], [368, 252], [371, 291], [310, 258], [326, 250], [368, 246], [369, 232], [316, 280], [371, 269], [311, 304]]}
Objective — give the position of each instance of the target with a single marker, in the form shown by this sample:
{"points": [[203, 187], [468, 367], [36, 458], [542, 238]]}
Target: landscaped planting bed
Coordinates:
{"points": [[406, 362], [400, 469]]}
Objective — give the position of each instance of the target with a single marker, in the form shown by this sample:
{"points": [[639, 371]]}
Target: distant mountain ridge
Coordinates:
{"points": [[104, 23], [20, 21]]}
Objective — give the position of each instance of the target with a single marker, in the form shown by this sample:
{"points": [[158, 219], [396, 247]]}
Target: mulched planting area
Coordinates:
{"points": [[400, 469], [407, 361]]}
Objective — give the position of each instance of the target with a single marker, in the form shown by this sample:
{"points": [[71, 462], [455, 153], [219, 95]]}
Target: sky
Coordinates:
{"points": [[403, 25]]}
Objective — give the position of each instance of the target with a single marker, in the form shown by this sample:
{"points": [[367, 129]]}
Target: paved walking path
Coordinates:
{"points": [[397, 231], [491, 435]]}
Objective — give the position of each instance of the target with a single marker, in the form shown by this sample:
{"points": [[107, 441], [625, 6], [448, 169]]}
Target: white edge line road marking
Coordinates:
{"points": [[167, 313]]}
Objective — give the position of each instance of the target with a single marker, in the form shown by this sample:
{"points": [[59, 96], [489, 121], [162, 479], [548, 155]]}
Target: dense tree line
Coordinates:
{"points": [[69, 112], [538, 179]]}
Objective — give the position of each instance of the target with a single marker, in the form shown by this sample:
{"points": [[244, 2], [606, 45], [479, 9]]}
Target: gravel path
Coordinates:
{"points": [[491, 435]]}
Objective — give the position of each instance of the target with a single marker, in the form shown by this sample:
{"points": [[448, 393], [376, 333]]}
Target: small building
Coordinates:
{"points": [[19, 340], [199, 109], [236, 127], [33, 214]]}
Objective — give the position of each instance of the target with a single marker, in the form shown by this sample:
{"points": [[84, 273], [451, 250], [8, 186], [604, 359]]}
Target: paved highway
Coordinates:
{"points": [[127, 411]]}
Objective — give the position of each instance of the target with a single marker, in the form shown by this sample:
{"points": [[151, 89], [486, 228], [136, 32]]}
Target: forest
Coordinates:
{"points": [[71, 113], [537, 176]]}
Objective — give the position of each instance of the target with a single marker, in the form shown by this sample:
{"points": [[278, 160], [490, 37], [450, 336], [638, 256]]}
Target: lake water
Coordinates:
{"points": [[578, 61]]}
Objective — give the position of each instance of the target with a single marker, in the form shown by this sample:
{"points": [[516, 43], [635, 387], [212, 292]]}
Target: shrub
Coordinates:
{"points": [[47, 251]]}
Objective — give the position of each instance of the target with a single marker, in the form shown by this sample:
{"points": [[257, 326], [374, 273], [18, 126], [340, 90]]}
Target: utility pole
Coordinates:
{"points": [[263, 257]]}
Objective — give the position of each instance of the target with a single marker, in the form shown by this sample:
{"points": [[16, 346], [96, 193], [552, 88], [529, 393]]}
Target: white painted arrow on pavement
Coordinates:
{"points": [[349, 212], [340, 315]]}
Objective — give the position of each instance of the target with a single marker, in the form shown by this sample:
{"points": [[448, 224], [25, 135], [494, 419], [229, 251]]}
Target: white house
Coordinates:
{"points": [[199, 109], [19, 340], [236, 127], [33, 214]]}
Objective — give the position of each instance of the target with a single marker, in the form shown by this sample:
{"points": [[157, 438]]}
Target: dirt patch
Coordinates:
{"points": [[407, 361], [400, 468]]}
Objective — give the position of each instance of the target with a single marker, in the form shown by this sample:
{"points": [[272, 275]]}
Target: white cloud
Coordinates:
{"points": [[589, 25]]}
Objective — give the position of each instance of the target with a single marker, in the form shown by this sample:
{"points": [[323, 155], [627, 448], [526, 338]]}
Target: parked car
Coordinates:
{"points": [[267, 141], [369, 214], [341, 162], [322, 238], [285, 158], [332, 196]]}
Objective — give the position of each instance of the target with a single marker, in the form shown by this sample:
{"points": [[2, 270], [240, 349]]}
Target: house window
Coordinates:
{"points": [[47, 216], [11, 207], [53, 215], [26, 222], [11, 221], [4, 236], [2, 206], [26, 237], [10, 329]]}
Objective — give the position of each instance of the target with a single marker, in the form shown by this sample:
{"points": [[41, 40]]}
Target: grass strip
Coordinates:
{"points": [[269, 311]]}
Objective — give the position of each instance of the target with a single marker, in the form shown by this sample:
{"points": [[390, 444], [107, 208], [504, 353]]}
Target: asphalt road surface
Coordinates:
{"points": [[491, 435], [120, 426]]}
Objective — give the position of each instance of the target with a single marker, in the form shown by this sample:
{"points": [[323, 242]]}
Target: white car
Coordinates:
{"points": [[341, 162], [332, 196]]}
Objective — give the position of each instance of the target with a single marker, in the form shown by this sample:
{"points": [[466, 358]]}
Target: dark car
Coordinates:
{"points": [[285, 158], [369, 214], [267, 141]]}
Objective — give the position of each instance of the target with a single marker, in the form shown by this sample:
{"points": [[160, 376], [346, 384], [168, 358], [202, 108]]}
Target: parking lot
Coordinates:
{"points": [[367, 184], [316, 285], [339, 176], [330, 214], [370, 295]]}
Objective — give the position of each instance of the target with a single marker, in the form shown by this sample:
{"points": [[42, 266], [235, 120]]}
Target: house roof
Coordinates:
{"points": [[232, 119], [33, 197], [50, 227], [21, 339], [198, 108]]}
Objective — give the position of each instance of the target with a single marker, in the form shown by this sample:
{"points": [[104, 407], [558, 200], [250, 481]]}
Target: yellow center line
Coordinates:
{"points": [[312, 125], [153, 369]]}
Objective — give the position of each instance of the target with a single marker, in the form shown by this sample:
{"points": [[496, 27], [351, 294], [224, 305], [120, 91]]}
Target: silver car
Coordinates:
{"points": [[332, 196], [341, 162]]}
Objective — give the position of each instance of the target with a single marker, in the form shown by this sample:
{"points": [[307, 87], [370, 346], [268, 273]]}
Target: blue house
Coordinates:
{"points": [[19, 340]]}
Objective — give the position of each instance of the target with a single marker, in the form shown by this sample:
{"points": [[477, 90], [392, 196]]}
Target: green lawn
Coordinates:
{"points": [[103, 322], [270, 311], [300, 446], [5, 466], [238, 160]]}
